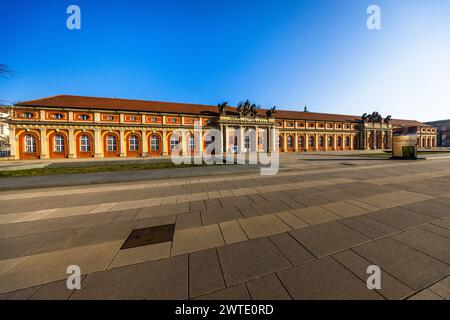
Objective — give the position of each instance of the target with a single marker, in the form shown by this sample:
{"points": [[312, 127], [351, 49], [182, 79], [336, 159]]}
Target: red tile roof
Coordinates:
{"points": [[115, 104]]}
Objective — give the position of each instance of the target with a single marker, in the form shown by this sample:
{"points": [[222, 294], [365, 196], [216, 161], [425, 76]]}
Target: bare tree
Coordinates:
{"points": [[5, 71]]}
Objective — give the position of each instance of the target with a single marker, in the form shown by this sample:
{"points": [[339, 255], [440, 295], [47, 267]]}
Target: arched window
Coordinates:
{"points": [[30, 143], [59, 143], [85, 143], [133, 143], [301, 141], [290, 141], [347, 141], [174, 141], [111, 143], [280, 141], [321, 144], [339, 141], [311, 141], [330, 141], [154, 143]]}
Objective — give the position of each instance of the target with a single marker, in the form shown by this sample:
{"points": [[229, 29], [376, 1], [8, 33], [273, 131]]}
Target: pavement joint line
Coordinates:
{"points": [[354, 274]]}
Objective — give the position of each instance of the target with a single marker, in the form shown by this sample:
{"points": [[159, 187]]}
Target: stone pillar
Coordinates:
{"points": [[71, 144], [70, 116], [165, 143], [43, 147], [241, 140], [306, 142], [316, 142], [13, 152], [296, 142], [256, 139], [351, 142], [335, 142], [184, 148], [227, 139], [98, 143], [326, 142], [144, 142], [123, 144], [273, 140]]}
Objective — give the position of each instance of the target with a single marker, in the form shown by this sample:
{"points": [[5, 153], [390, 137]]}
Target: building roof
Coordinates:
{"points": [[115, 104]]}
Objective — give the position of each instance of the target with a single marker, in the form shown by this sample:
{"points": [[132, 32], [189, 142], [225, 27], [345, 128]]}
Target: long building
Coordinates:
{"points": [[68, 126]]}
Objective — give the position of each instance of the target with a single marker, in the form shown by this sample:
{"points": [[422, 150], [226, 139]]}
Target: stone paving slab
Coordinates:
{"points": [[232, 232], [442, 288], [328, 238], [136, 255], [205, 273], [232, 293], [426, 295], [400, 218], [344, 209], [324, 279], [412, 267], [196, 239], [427, 242], [162, 279], [262, 226], [315, 215], [51, 266], [267, 288], [291, 249], [250, 260], [430, 208], [391, 288]]}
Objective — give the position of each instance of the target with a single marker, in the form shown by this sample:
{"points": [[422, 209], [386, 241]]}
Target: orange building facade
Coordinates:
{"points": [[86, 127]]}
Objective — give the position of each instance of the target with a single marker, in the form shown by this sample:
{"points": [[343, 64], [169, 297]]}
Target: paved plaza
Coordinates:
{"points": [[309, 232]]}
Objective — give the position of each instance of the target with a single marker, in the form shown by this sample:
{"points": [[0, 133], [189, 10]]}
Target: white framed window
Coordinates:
{"points": [[290, 141], [111, 143], [174, 141], [30, 143], [58, 143], [191, 143], [247, 142], [133, 143], [85, 143], [154, 143], [301, 141]]}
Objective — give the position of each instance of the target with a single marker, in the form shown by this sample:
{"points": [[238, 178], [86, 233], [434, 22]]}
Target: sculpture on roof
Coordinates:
{"points": [[388, 119], [375, 117], [223, 107], [271, 112], [247, 109]]}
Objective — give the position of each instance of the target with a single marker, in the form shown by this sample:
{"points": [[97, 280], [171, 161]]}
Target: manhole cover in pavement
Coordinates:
{"points": [[147, 236]]}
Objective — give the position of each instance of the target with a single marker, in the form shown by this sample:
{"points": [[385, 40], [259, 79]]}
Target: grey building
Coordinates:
{"points": [[443, 127]]}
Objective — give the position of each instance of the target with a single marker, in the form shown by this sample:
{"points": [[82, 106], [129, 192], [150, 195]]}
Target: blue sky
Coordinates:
{"points": [[285, 53]]}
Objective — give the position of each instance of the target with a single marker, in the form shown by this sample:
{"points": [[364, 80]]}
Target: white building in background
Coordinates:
{"points": [[4, 134]]}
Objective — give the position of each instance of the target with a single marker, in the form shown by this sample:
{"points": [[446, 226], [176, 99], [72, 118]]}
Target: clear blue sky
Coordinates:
{"points": [[286, 53]]}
